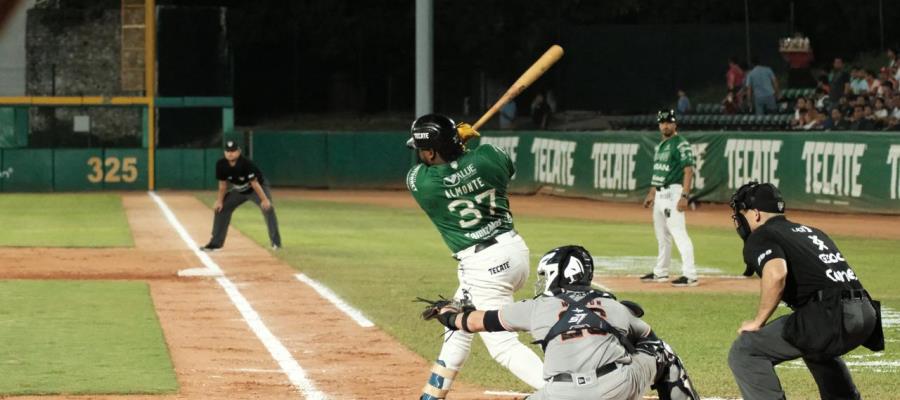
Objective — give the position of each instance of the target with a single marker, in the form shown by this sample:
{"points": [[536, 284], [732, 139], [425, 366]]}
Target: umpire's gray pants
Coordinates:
{"points": [[230, 203], [627, 382], [754, 355]]}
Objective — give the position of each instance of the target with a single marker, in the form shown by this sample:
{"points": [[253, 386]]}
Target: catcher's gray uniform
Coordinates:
{"points": [[581, 356]]}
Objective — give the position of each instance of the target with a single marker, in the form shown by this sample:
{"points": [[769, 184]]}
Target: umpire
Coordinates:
{"points": [[801, 266], [247, 183]]}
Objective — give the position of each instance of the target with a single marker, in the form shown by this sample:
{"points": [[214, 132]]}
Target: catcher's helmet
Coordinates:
{"points": [[436, 132], [566, 267], [665, 116]]}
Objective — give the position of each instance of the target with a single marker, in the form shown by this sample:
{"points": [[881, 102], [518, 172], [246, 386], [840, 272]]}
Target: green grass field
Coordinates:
{"points": [[81, 337], [63, 220], [379, 259]]}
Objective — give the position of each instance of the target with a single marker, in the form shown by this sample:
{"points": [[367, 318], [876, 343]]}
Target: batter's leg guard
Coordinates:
{"points": [[439, 383]]}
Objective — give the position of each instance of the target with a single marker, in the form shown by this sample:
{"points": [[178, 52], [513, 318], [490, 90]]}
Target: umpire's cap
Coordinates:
{"points": [[665, 116], [758, 196]]}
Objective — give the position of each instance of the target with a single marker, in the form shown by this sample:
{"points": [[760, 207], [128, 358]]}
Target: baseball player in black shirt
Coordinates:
{"points": [[801, 266], [247, 183]]}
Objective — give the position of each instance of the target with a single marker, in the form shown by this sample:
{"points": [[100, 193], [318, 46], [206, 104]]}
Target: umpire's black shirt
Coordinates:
{"points": [[240, 174], [813, 260]]}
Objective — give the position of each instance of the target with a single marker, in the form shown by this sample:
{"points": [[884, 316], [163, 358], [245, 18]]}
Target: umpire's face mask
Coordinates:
{"points": [[741, 225]]}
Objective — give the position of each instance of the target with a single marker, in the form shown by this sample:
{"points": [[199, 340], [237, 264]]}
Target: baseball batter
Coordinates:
{"points": [[247, 183], [595, 347], [464, 195], [673, 171]]}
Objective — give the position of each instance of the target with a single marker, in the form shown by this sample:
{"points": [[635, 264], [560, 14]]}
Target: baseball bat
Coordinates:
{"points": [[550, 57]]}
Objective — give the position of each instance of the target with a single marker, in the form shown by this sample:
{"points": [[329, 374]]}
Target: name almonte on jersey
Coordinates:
{"points": [[466, 199]]}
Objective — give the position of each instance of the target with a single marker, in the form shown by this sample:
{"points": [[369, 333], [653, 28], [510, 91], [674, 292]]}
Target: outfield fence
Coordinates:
{"points": [[829, 171]]}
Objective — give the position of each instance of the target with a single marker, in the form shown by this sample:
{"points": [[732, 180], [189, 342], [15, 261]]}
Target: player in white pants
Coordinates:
{"points": [[673, 170]]}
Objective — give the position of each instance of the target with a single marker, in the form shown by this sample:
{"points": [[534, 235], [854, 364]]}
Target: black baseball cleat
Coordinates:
{"points": [[276, 247], [210, 248], [685, 282], [651, 277]]}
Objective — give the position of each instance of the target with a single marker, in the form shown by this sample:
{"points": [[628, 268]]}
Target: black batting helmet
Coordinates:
{"points": [[436, 132]]}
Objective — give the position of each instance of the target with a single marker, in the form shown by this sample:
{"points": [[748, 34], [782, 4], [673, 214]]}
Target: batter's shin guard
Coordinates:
{"points": [[672, 381], [439, 383]]}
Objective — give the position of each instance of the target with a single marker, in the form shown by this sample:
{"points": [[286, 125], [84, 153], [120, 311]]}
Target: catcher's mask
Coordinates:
{"points": [[436, 132], [567, 267], [754, 196]]}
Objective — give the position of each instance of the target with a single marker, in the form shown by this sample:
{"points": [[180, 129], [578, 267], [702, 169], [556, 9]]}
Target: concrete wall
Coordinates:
{"points": [[12, 52], [74, 53]]}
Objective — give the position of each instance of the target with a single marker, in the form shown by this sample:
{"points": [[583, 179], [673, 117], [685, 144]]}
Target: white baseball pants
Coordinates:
{"points": [[669, 224], [490, 277]]}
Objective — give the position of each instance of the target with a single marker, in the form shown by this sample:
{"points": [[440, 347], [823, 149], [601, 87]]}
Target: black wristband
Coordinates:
{"points": [[465, 320], [448, 320]]}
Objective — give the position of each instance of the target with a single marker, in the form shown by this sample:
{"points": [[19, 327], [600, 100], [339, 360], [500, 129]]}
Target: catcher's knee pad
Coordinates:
{"points": [[439, 383], [672, 381]]}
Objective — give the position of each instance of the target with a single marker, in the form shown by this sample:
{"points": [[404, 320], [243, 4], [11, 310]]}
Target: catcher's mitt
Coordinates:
{"points": [[434, 307], [450, 308]]}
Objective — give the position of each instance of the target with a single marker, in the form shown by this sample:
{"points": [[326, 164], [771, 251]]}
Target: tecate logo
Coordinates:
{"points": [[420, 135]]}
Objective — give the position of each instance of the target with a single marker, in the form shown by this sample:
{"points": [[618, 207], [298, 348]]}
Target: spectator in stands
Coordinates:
{"points": [[762, 88], [873, 82], [880, 111], [869, 113], [839, 81], [734, 78], [822, 83], [837, 121], [858, 83], [730, 104], [508, 115], [858, 121], [540, 112], [684, 103], [820, 99], [844, 105], [892, 58], [885, 75], [800, 107]]}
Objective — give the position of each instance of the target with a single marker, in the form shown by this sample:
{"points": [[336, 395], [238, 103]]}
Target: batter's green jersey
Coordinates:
{"points": [[466, 199], [672, 156]]}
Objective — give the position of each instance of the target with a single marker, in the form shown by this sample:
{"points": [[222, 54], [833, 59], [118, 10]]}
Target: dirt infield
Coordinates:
{"points": [[217, 356]]}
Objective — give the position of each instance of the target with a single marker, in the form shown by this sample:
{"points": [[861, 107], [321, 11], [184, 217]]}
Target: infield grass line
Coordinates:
{"points": [[329, 295], [279, 352]]}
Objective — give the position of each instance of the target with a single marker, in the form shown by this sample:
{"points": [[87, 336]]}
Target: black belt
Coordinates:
{"points": [[661, 187], [852, 294], [567, 377], [490, 242]]}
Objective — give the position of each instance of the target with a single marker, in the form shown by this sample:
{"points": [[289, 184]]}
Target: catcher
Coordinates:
{"points": [[595, 347]]}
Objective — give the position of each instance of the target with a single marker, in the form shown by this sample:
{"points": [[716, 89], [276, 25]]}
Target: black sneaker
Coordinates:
{"points": [[685, 282], [210, 248], [276, 247], [651, 277]]}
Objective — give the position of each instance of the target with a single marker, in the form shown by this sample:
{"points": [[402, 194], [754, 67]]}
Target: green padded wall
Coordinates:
{"points": [[31, 170], [78, 169]]}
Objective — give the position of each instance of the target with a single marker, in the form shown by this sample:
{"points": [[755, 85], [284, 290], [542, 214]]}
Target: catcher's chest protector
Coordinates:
{"points": [[581, 318]]}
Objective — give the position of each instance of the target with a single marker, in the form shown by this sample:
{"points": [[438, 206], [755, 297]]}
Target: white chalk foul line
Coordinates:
{"points": [[329, 295], [282, 356]]}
